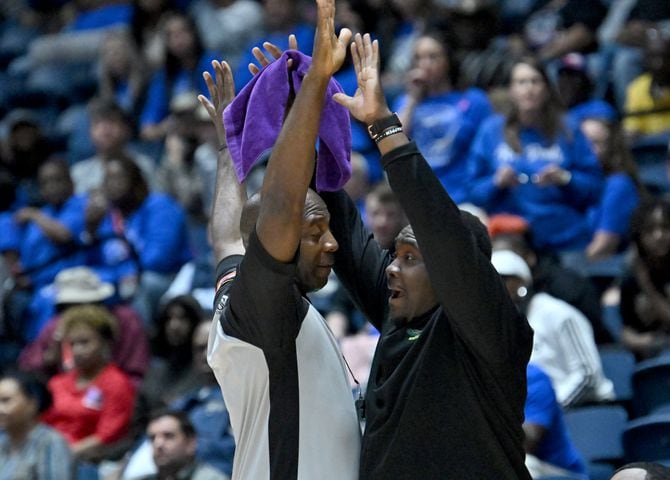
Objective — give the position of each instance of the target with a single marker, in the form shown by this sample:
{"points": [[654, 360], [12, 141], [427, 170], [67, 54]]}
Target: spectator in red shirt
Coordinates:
{"points": [[82, 286], [93, 402]]}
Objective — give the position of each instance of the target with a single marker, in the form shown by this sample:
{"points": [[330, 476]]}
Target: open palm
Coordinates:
{"points": [[329, 50], [368, 103]]}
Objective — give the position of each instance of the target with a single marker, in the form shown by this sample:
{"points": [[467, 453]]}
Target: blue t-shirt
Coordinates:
{"points": [[161, 90], [556, 214], [617, 203], [11, 232], [44, 257], [443, 126], [157, 233], [542, 409], [103, 17]]}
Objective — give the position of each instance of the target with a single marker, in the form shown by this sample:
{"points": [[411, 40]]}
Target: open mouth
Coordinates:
{"points": [[396, 293]]}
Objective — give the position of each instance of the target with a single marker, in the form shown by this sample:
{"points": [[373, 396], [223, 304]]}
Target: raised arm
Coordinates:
{"points": [[291, 163], [466, 285], [229, 195]]}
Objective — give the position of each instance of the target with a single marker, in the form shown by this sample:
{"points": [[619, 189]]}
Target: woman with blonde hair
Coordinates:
{"points": [[93, 402]]}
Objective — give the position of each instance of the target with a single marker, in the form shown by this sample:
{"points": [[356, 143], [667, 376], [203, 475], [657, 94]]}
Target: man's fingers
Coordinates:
{"points": [[260, 56], [367, 48], [345, 36], [355, 57], [375, 53], [253, 69], [228, 87], [360, 50], [292, 42], [343, 99], [274, 50], [211, 87], [207, 104], [325, 13]]}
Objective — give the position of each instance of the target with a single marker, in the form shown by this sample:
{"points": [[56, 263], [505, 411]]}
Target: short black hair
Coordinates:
{"points": [[185, 424], [476, 228], [31, 386], [655, 471]]}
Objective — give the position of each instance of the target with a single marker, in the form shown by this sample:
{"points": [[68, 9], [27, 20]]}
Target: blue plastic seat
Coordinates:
{"points": [[596, 431], [647, 439], [651, 385], [618, 365]]}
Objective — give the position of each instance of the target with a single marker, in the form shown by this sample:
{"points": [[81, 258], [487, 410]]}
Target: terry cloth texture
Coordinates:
{"points": [[254, 119]]}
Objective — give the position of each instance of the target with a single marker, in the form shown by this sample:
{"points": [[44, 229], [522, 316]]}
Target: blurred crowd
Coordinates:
{"points": [[550, 120]]}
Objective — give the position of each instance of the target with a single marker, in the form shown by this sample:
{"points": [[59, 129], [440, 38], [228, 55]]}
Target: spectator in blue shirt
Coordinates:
{"points": [[534, 164], [441, 119], [185, 60], [45, 239], [546, 435], [610, 218], [152, 227]]}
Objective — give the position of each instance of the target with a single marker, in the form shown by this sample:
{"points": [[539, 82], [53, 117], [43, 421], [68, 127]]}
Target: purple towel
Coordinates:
{"points": [[254, 119]]}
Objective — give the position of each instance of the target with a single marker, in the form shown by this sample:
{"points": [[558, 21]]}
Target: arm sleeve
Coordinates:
{"points": [[226, 271], [360, 264], [72, 216], [466, 284], [619, 200], [580, 364], [265, 307], [541, 400], [163, 236]]}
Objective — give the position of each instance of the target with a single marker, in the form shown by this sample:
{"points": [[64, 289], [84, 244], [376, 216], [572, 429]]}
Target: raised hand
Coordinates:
{"points": [[329, 50], [274, 50], [368, 103], [222, 92]]}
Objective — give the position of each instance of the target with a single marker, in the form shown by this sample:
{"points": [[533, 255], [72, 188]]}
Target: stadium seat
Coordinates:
{"points": [[651, 385], [600, 471], [596, 431], [618, 365], [647, 439]]}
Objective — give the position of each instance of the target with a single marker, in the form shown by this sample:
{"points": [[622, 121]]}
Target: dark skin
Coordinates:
{"points": [[55, 188], [316, 242], [280, 223]]}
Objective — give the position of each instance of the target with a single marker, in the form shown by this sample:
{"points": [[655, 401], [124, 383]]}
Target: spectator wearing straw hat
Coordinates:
{"points": [[81, 286]]}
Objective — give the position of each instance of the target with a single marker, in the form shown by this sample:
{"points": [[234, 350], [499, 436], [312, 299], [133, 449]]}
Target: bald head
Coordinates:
{"points": [[642, 471], [630, 474]]}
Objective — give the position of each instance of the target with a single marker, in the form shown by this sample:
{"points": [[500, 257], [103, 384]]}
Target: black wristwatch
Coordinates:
{"points": [[380, 126]]}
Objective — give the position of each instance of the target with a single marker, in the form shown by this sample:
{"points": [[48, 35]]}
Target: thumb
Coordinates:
{"points": [[344, 100]]}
